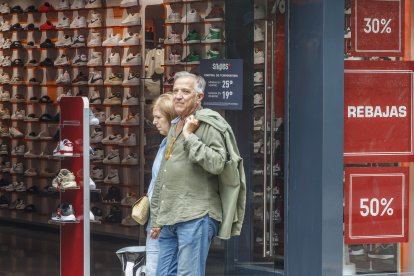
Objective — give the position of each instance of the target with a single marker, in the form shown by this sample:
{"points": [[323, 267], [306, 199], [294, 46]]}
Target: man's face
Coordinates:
{"points": [[186, 100]]}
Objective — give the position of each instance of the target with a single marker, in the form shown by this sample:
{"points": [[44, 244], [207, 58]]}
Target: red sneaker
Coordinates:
{"points": [[46, 7], [47, 26]]}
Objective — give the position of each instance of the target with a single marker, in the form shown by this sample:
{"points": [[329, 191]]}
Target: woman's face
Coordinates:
{"points": [[161, 122]]}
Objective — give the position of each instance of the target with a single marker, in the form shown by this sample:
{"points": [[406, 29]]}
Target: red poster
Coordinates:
{"points": [[376, 205], [377, 27], [378, 115]]}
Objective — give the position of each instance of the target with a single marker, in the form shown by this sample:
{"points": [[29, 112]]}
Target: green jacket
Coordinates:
{"points": [[232, 181]]}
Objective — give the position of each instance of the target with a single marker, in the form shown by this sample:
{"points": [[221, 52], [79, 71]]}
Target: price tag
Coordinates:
{"points": [[376, 205], [224, 83], [377, 27]]}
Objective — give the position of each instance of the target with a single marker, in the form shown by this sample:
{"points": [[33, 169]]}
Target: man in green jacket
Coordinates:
{"points": [[200, 188]]}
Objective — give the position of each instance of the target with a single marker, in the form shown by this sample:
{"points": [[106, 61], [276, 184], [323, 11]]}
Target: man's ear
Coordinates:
{"points": [[200, 96]]}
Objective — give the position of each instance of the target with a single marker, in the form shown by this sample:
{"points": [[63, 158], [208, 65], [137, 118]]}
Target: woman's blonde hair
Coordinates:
{"points": [[164, 103]]}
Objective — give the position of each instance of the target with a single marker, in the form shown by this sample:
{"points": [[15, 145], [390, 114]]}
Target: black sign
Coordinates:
{"points": [[224, 88]]}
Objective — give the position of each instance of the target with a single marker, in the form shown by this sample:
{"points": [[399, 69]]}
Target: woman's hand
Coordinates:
{"points": [[155, 233]]}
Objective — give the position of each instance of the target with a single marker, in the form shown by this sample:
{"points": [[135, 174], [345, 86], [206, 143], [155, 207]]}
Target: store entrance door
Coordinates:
{"points": [[260, 248]]}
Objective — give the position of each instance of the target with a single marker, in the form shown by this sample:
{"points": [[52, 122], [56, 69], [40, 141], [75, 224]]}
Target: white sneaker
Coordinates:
{"points": [[64, 22], [112, 40], [112, 177], [130, 159], [112, 139], [95, 98], [173, 17], [258, 56], [131, 20], [258, 100], [191, 16], [93, 121], [112, 157], [95, 78], [63, 5], [4, 8], [129, 39], [98, 154], [132, 79], [174, 58], [129, 139], [18, 115], [15, 133], [132, 59], [5, 26], [18, 150], [97, 173], [64, 148], [95, 59], [130, 99], [96, 20], [259, 12], [78, 22], [61, 60], [95, 39], [113, 59], [130, 120], [64, 41], [258, 78], [258, 33], [80, 60], [173, 38], [63, 78], [113, 119], [64, 179], [96, 136], [112, 99], [92, 4], [128, 3], [6, 44], [77, 4], [79, 41]]}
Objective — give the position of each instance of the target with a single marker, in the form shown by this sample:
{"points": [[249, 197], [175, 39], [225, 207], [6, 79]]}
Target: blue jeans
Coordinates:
{"points": [[152, 249], [184, 247]]}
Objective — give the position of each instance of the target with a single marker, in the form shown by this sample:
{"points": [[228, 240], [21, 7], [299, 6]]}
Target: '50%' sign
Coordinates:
{"points": [[376, 205]]}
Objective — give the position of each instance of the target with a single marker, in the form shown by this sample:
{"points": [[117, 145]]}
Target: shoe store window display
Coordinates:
{"points": [[200, 190], [163, 113]]}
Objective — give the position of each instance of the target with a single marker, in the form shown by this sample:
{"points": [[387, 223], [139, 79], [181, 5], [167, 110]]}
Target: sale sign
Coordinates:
{"points": [[378, 115], [377, 27], [376, 205]]}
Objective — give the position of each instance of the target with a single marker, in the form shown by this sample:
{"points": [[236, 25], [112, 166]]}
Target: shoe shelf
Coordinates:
{"points": [[50, 221], [181, 2], [194, 23]]}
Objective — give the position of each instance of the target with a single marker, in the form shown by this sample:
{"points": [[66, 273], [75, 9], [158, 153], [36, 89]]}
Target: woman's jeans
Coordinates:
{"points": [[152, 249], [184, 247]]}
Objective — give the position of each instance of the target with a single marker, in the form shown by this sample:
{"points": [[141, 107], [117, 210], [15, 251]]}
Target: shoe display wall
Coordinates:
{"points": [[194, 30], [62, 48]]}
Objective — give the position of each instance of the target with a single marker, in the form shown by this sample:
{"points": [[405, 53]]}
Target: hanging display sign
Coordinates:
{"points": [[377, 27], [224, 83], [378, 119], [376, 205]]}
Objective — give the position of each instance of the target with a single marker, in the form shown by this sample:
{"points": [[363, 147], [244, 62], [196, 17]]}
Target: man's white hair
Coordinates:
{"points": [[200, 82]]}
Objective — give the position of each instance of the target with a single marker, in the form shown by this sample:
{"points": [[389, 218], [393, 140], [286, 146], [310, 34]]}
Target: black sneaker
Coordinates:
{"points": [[16, 9], [81, 78], [115, 215], [33, 190], [30, 9], [31, 27], [47, 62], [30, 44], [4, 201], [113, 195], [34, 81], [17, 62], [46, 118], [32, 117], [47, 44], [16, 45], [31, 208], [45, 99], [32, 62], [16, 27], [97, 212]]}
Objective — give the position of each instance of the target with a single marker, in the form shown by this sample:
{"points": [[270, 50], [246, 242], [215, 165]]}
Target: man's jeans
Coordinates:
{"points": [[184, 247]]}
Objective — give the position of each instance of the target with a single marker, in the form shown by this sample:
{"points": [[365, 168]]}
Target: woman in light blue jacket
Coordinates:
{"points": [[163, 112]]}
